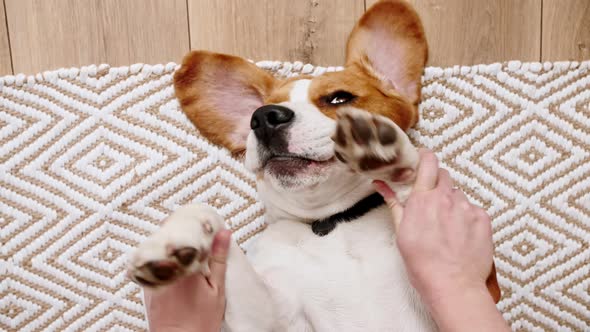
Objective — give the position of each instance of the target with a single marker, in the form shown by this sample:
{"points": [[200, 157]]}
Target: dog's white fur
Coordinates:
{"points": [[352, 279]]}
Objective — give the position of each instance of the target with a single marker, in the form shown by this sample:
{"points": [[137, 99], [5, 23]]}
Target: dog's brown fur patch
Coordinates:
{"points": [[368, 95], [199, 84]]}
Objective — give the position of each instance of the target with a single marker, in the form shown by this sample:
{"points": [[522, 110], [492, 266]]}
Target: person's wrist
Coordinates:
{"points": [[445, 303], [465, 309], [195, 326], [452, 293]]}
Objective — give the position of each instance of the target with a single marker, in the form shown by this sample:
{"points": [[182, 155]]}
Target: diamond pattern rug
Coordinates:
{"points": [[92, 159]]}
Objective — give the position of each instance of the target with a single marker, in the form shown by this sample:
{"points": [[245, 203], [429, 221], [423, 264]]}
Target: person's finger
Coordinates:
{"points": [[427, 174], [463, 206], [147, 296], [459, 196], [482, 215], [391, 199], [444, 180], [218, 259]]}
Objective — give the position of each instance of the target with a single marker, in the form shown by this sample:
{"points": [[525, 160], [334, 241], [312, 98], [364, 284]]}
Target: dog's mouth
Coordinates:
{"points": [[290, 165]]}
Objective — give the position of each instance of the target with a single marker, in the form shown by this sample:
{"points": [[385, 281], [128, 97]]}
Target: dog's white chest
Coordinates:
{"points": [[350, 280]]}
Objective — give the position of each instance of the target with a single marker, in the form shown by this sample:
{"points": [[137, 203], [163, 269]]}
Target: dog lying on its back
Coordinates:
{"points": [[327, 260]]}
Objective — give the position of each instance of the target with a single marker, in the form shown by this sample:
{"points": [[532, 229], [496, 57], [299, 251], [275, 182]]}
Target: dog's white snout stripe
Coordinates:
{"points": [[300, 91]]}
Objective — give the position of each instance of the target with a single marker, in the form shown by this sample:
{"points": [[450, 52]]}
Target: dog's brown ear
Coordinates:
{"points": [[493, 286], [389, 43], [219, 93]]}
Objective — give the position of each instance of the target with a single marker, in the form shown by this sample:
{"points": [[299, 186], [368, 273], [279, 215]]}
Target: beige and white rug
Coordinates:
{"points": [[92, 159]]}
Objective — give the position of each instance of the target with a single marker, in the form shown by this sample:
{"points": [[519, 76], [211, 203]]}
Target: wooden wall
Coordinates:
{"points": [[38, 35]]}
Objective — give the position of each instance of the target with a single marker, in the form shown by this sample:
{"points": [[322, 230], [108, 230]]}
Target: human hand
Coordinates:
{"points": [[445, 241], [193, 303], [446, 244]]}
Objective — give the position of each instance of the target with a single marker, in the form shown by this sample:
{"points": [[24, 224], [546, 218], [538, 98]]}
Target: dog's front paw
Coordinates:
{"points": [[373, 144], [181, 246]]}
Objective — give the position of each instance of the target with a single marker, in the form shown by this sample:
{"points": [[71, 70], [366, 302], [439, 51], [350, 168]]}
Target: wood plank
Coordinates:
{"points": [[5, 61], [63, 33], [311, 31], [566, 30], [480, 31], [148, 31]]}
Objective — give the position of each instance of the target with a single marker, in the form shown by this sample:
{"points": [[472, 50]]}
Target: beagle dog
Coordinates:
{"points": [[327, 260]]}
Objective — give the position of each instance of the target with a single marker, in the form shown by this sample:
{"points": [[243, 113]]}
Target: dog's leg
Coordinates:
{"points": [[375, 146], [182, 246], [249, 305]]}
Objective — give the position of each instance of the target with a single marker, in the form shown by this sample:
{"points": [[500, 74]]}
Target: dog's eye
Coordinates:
{"points": [[339, 97]]}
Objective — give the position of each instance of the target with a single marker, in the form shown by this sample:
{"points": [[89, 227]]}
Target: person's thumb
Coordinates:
{"points": [[391, 199], [218, 259]]}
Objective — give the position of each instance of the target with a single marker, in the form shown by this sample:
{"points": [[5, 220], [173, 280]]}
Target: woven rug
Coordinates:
{"points": [[92, 159]]}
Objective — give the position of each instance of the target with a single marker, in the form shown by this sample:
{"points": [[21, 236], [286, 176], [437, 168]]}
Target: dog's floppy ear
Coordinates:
{"points": [[389, 43], [219, 93]]}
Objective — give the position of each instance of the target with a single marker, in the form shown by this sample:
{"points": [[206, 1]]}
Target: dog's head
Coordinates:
{"points": [[285, 126]]}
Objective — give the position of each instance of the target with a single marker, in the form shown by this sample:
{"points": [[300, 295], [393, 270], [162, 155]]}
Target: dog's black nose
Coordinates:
{"points": [[271, 116], [268, 120]]}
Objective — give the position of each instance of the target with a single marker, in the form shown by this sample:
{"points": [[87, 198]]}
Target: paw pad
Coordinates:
{"points": [[374, 145], [365, 141], [185, 255], [162, 270]]}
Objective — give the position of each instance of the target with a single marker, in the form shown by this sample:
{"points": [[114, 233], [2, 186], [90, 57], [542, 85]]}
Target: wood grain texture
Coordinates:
{"points": [[480, 31], [56, 33], [50, 34], [5, 61], [566, 30], [312, 31]]}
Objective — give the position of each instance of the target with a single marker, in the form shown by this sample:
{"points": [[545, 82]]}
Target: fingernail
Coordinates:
{"points": [[383, 189]]}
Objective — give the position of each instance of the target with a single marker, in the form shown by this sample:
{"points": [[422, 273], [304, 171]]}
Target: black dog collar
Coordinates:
{"points": [[325, 226]]}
